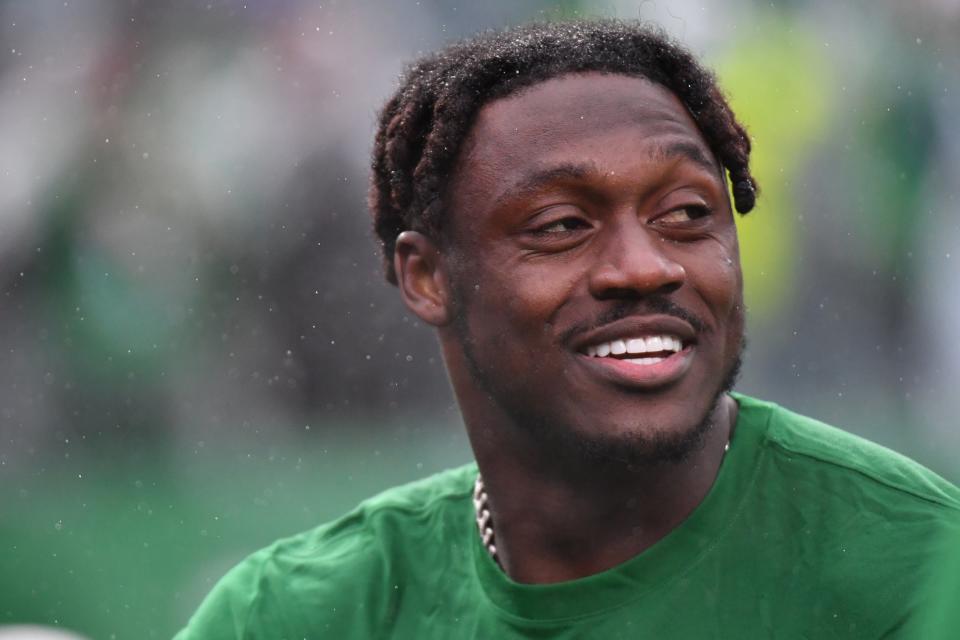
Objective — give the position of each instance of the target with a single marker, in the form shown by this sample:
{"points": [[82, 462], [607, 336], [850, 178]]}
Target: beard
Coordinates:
{"points": [[645, 445], [642, 446]]}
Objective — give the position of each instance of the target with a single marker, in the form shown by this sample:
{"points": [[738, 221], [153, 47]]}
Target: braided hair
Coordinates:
{"points": [[422, 127]]}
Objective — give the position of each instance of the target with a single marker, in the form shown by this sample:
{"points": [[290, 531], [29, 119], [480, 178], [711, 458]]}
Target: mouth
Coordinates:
{"points": [[639, 350], [643, 354]]}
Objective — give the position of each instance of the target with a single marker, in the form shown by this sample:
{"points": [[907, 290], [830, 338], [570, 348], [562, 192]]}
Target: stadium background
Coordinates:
{"points": [[200, 355]]}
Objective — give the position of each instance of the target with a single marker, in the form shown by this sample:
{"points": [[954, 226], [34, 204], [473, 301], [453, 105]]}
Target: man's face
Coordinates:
{"points": [[588, 216]]}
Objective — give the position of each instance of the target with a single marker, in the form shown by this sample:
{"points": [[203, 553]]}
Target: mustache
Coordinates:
{"points": [[656, 304]]}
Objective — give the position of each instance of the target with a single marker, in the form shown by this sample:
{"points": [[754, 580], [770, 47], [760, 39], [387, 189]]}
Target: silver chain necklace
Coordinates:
{"points": [[485, 521]]}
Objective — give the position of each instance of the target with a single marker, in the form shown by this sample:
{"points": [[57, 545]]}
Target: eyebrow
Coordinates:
{"points": [[577, 171], [537, 179], [688, 150]]}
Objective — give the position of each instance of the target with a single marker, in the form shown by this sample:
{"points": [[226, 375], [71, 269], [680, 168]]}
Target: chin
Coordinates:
{"points": [[640, 445], [664, 441]]}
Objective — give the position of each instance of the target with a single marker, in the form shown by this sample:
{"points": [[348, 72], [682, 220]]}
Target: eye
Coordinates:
{"points": [[564, 225], [685, 214]]}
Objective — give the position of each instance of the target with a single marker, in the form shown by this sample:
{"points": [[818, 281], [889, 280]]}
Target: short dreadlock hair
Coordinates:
{"points": [[424, 124]]}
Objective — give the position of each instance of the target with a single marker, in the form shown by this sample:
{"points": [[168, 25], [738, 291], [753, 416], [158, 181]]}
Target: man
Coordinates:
{"points": [[553, 200]]}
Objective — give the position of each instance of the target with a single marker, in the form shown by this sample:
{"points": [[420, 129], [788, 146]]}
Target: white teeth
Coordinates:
{"points": [[650, 344], [653, 360]]}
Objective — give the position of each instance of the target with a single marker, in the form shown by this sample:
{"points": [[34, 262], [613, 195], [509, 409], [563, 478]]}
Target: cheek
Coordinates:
{"points": [[521, 296], [733, 272], [515, 301], [717, 277]]}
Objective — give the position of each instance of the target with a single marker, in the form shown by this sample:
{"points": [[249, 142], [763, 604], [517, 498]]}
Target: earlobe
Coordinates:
{"points": [[421, 278]]}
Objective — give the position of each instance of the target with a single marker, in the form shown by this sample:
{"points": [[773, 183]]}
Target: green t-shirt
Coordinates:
{"points": [[808, 532]]}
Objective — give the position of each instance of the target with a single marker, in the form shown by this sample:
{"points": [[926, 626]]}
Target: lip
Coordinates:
{"points": [[644, 377], [641, 376], [635, 326]]}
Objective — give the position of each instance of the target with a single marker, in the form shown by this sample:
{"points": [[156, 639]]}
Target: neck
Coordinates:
{"points": [[556, 522]]}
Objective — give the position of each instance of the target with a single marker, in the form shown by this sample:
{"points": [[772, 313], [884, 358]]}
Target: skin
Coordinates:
{"points": [[585, 208]]}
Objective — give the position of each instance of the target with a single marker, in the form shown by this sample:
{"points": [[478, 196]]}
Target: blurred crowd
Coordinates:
{"points": [[185, 245]]}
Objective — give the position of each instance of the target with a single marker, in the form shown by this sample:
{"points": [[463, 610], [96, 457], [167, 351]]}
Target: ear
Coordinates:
{"points": [[421, 278]]}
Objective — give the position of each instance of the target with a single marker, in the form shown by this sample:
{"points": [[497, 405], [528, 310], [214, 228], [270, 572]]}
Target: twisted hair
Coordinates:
{"points": [[422, 127]]}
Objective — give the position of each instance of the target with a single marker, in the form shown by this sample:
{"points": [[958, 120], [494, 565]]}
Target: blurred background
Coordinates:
{"points": [[200, 354]]}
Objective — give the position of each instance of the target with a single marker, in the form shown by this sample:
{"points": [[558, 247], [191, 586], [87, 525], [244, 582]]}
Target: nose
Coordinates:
{"points": [[634, 261]]}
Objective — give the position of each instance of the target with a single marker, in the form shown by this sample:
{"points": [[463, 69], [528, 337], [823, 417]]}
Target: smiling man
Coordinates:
{"points": [[554, 201]]}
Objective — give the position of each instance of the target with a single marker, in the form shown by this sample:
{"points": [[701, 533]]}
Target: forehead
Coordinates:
{"points": [[582, 102], [607, 121]]}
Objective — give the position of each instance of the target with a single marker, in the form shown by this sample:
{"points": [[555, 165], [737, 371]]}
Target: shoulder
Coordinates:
{"points": [[332, 577], [859, 527], [832, 455]]}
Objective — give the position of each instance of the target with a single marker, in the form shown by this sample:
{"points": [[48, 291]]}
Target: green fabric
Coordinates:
{"points": [[808, 532], [939, 617]]}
